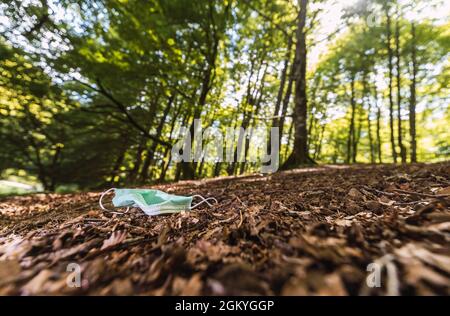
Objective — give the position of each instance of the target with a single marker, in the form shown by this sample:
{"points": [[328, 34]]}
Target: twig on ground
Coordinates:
{"points": [[421, 194]]}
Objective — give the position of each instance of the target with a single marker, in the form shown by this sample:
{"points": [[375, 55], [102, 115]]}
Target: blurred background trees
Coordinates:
{"points": [[93, 92]]}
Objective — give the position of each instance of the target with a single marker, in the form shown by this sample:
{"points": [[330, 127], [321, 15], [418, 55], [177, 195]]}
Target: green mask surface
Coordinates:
{"points": [[152, 202]]}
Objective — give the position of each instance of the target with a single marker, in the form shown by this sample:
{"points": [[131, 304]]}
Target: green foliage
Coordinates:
{"points": [[92, 92]]}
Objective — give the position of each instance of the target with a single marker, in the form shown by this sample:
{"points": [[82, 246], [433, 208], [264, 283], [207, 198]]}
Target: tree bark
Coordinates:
{"points": [[286, 99], [412, 103], [351, 131], [138, 161], [357, 137], [299, 154], [390, 68], [399, 95], [255, 110], [165, 166], [276, 113], [151, 152], [378, 125], [369, 123]]}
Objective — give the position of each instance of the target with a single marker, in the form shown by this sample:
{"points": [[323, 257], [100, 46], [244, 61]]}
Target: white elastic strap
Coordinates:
{"points": [[204, 201], [105, 209]]}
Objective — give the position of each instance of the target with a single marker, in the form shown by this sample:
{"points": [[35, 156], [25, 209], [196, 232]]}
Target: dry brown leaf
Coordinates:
{"points": [[9, 270], [444, 191], [116, 238]]}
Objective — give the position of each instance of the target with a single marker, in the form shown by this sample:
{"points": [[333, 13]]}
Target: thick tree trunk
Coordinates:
{"points": [[300, 152], [412, 102]]}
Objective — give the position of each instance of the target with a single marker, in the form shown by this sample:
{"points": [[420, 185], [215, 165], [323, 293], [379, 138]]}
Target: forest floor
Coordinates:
{"points": [[314, 231]]}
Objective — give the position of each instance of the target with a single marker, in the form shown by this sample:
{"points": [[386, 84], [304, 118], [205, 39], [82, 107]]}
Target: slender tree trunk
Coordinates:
{"points": [[276, 113], [289, 140], [369, 122], [412, 103], [278, 118], [378, 125], [255, 110], [286, 99], [117, 164], [248, 100], [167, 153], [380, 160], [351, 131], [214, 35], [391, 101], [178, 167], [318, 147], [188, 168], [399, 95], [151, 152], [42, 174], [138, 160], [217, 168], [357, 137]]}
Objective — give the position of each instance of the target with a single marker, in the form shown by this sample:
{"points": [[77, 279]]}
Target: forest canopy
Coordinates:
{"points": [[94, 92]]}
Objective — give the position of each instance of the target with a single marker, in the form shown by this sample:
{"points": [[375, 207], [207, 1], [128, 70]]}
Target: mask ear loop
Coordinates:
{"points": [[105, 209], [204, 201]]}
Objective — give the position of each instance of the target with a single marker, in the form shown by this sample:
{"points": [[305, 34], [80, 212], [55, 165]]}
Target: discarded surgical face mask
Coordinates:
{"points": [[152, 202]]}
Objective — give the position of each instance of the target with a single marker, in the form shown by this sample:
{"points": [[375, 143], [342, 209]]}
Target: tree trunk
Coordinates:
{"points": [[399, 95], [214, 36], [255, 110], [369, 124], [138, 160], [151, 152], [300, 151], [351, 131], [167, 153], [391, 101], [286, 99], [250, 99], [117, 164], [289, 140], [318, 147], [276, 113], [378, 125], [412, 103], [357, 137]]}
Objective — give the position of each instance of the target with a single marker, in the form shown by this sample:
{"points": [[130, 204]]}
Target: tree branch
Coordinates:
{"points": [[102, 90]]}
